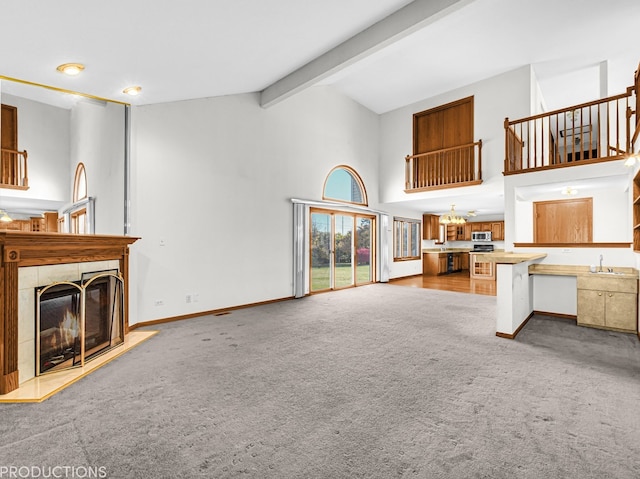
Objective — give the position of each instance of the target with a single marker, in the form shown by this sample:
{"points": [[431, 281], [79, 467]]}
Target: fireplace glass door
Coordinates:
{"points": [[103, 319], [77, 321], [58, 332]]}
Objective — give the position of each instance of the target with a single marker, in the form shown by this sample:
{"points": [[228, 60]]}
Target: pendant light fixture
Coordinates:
{"points": [[452, 218], [4, 217]]}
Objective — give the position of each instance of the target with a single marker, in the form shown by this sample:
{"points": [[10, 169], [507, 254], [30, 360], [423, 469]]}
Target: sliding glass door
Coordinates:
{"points": [[341, 250]]}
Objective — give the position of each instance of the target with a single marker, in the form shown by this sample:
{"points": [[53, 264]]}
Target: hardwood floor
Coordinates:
{"points": [[459, 282]]}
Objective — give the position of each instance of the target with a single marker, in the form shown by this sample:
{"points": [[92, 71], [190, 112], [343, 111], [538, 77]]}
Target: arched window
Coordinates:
{"points": [[80, 184], [344, 184]]}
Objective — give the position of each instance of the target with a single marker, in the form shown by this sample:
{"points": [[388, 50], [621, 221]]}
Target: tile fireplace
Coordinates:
{"points": [[29, 260]]}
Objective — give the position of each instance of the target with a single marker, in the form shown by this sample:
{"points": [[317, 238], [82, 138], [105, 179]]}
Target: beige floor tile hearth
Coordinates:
{"points": [[40, 388]]}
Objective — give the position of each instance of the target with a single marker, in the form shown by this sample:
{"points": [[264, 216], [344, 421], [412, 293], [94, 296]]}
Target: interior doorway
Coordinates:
{"points": [[342, 250]]}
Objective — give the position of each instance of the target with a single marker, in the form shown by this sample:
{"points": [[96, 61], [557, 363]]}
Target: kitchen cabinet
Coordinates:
{"points": [[464, 261], [457, 232], [607, 302], [434, 263], [430, 227], [497, 230], [438, 263], [480, 268]]}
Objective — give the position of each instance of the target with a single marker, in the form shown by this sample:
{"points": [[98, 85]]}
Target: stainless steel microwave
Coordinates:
{"points": [[481, 236]]}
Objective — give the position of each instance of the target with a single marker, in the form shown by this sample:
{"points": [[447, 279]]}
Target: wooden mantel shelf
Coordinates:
{"points": [[20, 249], [35, 249]]}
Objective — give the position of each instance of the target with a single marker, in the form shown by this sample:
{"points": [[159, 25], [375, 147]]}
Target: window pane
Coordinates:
{"points": [[405, 239], [342, 185], [397, 239], [415, 239]]}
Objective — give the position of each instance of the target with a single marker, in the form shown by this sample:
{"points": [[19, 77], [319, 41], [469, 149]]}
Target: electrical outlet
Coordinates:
{"points": [[159, 302], [188, 298]]}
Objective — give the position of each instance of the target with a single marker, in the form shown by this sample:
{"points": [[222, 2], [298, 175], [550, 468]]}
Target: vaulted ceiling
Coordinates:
{"points": [[384, 54]]}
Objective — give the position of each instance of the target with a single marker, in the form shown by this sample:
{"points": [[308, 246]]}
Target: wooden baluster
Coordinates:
{"points": [[608, 129], [599, 143], [617, 126], [590, 134]]}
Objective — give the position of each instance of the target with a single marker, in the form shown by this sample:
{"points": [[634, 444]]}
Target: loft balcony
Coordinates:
{"points": [[445, 168], [13, 169], [601, 130]]}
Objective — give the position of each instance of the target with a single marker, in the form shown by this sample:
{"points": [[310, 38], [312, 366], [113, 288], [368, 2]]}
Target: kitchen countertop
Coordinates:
{"points": [[512, 258], [457, 250], [578, 270], [446, 250]]}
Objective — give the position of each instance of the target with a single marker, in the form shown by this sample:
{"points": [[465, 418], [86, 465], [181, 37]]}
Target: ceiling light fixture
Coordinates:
{"points": [[4, 217], [132, 90], [452, 218], [573, 115], [70, 69]]}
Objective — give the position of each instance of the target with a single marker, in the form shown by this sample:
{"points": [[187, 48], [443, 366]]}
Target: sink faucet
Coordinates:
{"points": [[601, 263]]}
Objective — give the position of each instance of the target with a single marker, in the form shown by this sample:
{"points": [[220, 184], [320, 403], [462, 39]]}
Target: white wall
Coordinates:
{"points": [[97, 140], [507, 95], [212, 181], [43, 130]]}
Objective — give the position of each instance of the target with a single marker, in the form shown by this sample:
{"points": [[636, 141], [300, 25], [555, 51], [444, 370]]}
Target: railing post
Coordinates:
{"points": [[407, 172], [629, 114], [479, 160], [25, 181], [506, 144]]}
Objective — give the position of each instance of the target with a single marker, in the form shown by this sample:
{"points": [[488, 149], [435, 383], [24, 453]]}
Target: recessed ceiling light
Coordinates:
{"points": [[132, 90], [70, 68]]}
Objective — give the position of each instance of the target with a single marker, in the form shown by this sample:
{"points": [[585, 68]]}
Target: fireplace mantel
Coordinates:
{"points": [[20, 249]]}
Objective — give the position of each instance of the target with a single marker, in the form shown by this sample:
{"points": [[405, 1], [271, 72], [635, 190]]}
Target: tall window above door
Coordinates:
{"points": [[344, 184], [80, 184]]}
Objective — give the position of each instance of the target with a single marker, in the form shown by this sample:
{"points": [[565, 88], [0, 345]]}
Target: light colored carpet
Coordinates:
{"points": [[379, 381]]}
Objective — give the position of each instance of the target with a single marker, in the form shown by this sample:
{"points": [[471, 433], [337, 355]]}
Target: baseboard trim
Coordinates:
{"points": [[391, 280], [212, 312], [557, 315], [515, 333]]}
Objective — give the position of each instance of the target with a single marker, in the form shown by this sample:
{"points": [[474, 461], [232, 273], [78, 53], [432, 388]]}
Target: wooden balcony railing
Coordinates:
{"points": [[444, 168], [13, 169], [591, 132]]}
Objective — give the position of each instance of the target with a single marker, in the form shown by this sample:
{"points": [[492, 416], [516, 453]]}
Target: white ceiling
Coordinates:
{"points": [[178, 50]]}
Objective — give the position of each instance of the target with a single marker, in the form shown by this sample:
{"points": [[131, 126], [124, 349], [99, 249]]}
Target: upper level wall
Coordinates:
{"points": [[43, 130], [97, 140], [506, 95]]}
